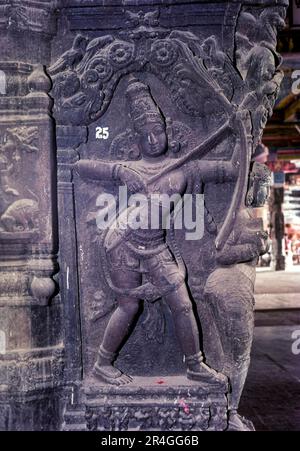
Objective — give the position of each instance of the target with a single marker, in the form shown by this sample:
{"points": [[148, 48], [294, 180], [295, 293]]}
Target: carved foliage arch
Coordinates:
{"points": [[86, 76], [202, 79]]}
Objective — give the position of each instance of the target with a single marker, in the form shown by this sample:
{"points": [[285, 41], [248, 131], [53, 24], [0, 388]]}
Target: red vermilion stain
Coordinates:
{"points": [[185, 406]]}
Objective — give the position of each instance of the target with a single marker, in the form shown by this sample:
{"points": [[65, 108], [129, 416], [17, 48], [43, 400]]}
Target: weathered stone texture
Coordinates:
{"points": [[209, 74]]}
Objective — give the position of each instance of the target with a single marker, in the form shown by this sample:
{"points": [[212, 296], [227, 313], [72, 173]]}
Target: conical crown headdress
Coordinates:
{"points": [[143, 109]]}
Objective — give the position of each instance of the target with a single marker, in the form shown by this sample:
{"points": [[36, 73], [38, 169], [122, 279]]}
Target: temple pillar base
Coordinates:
{"points": [[171, 403]]}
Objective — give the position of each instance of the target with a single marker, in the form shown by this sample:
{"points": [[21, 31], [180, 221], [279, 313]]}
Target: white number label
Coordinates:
{"points": [[2, 82], [296, 344], [2, 342], [102, 133], [296, 84]]}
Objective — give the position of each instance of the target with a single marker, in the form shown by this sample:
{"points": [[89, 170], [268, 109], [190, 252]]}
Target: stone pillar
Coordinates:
{"points": [[68, 140], [209, 74], [31, 358]]}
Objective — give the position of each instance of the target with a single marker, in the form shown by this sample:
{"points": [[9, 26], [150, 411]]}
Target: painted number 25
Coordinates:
{"points": [[102, 133]]}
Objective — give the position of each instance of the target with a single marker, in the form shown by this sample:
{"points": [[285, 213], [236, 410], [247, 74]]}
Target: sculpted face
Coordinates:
{"points": [[153, 140]]}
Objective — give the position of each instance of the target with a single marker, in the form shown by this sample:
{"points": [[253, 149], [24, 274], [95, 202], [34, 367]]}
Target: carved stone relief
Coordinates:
{"points": [[34, 16], [19, 214], [209, 107], [32, 363]]}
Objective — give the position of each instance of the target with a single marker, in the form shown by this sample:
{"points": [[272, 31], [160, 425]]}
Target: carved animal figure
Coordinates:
{"points": [[264, 28], [20, 216], [71, 57]]}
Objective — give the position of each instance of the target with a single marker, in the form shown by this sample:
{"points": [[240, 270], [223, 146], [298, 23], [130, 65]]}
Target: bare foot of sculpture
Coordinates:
{"points": [[108, 373], [199, 371], [238, 423], [105, 371]]}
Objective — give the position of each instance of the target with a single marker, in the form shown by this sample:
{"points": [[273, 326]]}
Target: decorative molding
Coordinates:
{"points": [[138, 3], [28, 15], [33, 369], [149, 407]]}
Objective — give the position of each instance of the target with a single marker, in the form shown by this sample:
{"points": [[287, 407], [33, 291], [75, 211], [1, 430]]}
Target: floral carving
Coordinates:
{"points": [[163, 53], [99, 69], [120, 54], [161, 418]]}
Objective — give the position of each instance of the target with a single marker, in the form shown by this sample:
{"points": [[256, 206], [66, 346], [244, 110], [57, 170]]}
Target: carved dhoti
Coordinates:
{"points": [[158, 265]]}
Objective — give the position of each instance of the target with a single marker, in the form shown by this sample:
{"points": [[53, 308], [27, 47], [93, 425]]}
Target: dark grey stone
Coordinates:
{"points": [[206, 74]]}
